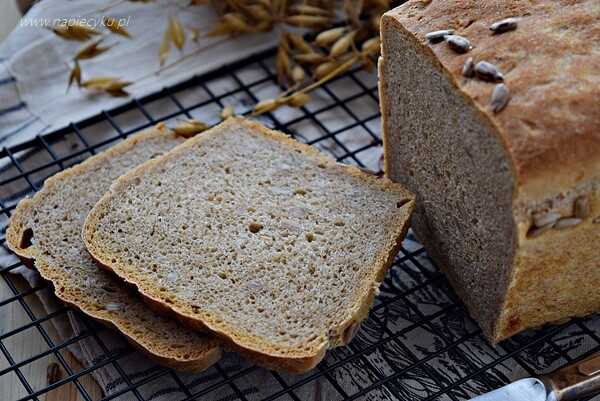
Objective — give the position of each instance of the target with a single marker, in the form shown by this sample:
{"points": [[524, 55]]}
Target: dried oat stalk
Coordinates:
{"points": [[340, 34], [112, 24], [227, 112], [79, 32], [176, 32], [74, 75], [91, 50], [111, 85], [343, 33], [190, 127]]}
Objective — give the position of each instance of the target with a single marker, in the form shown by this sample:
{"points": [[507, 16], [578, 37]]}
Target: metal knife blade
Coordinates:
{"points": [[530, 389]]}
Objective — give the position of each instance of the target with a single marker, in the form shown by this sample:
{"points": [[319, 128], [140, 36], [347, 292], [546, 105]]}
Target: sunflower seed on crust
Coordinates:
{"points": [[544, 219], [567, 222], [458, 43], [438, 36], [488, 72], [537, 231], [500, 98], [468, 69], [505, 25], [112, 306], [582, 207]]}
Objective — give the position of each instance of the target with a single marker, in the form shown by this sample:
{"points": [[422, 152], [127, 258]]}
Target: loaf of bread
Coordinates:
{"points": [[45, 231], [495, 125], [255, 237]]}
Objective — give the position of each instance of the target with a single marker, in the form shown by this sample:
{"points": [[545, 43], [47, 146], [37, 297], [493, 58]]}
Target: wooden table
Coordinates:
{"points": [[29, 343]]}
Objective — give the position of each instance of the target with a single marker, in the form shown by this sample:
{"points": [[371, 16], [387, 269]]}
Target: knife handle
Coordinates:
{"points": [[574, 381]]}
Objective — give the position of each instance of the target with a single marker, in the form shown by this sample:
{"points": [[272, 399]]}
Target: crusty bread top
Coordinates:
{"points": [[47, 229], [261, 239], [551, 64]]}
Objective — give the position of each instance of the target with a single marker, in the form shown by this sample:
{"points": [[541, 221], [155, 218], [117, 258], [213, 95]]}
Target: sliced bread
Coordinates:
{"points": [[45, 231], [255, 237]]}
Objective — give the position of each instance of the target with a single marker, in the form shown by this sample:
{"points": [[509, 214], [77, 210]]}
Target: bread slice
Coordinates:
{"points": [[255, 237], [508, 199], [45, 231]]}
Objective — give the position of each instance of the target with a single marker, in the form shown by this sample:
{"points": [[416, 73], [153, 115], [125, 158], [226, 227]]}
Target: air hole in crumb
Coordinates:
{"points": [[26, 238], [223, 275], [255, 227], [321, 165], [227, 170], [339, 222], [300, 191], [310, 237]]}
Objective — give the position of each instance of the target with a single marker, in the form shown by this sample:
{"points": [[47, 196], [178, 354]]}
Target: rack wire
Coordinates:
{"points": [[418, 342]]}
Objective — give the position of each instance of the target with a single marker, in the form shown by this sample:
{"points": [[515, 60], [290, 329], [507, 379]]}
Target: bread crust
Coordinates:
{"points": [[564, 141], [292, 360], [550, 130], [28, 255]]}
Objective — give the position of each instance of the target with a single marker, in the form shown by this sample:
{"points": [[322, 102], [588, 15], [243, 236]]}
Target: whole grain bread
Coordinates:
{"points": [[45, 231], [508, 197], [255, 237]]}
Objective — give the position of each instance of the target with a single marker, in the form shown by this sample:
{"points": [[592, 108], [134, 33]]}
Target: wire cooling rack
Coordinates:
{"points": [[418, 342]]}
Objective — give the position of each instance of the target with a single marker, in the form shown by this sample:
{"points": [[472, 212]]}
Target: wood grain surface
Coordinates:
{"points": [[29, 343]]}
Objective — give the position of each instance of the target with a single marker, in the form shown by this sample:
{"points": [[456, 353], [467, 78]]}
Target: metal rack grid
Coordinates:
{"points": [[418, 341]]}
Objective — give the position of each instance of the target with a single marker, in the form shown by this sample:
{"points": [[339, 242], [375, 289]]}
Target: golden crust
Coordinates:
{"points": [[540, 262], [204, 358], [290, 360], [539, 76]]}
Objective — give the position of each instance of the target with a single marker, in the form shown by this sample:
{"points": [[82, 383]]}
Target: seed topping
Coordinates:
{"points": [[468, 69], [500, 98], [505, 25], [112, 306], [567, 222], [545, 219], [537, 231], [488, 72], [438, 36], [458, 43]]}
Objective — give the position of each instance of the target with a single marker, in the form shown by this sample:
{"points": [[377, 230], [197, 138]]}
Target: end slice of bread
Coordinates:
{"points": [[45, 232], [255, 237]]}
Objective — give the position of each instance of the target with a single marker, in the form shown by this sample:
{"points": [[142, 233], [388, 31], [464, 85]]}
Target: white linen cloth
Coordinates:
{"points": [[35, 63]]}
